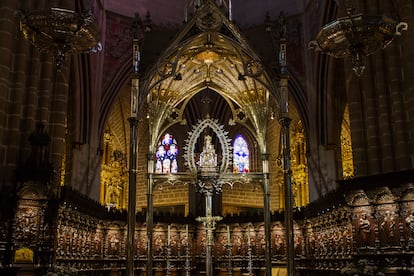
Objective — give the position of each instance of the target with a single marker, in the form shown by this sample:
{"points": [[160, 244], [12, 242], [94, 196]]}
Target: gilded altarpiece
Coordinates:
{"points": [[346, 147], [299, 165], [114, 176]]}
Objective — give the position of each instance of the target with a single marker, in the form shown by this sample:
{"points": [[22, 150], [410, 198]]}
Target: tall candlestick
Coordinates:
{"points": [[248, 235], [228, 234], [185, 14], [168, 235], [186, 232], [230, 11]]}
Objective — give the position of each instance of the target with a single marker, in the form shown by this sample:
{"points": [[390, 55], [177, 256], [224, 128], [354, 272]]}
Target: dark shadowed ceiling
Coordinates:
{"points": [[171, 12]]}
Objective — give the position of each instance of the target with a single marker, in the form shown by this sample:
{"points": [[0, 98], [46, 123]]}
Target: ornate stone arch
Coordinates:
{"points": [[222, 136]]}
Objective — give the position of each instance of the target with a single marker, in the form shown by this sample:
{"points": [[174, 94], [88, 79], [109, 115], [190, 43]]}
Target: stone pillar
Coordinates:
{"points": [[16, 96], [357, 127], [7, 42], [406, 12], [378, 124], [369, 107], [28, 121], [58, 118], [399, 129], [377, 111]]}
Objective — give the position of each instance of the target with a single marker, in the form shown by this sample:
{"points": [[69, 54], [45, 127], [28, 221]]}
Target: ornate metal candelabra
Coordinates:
{"points": [[249, 254], [168, 257], [250, 260], [357, 36], [187, 266], [229, 248], [60, 31]]}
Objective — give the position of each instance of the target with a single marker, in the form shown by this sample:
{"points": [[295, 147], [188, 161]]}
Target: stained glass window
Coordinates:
{"points": [[240, 155], [166, 155]]}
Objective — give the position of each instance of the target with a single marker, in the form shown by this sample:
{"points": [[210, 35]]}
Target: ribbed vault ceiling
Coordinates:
{"points": [[209, 60]]}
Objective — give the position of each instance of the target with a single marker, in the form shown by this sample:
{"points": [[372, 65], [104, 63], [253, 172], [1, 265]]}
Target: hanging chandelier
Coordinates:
{"points": [[357, 36], [60, 32]]}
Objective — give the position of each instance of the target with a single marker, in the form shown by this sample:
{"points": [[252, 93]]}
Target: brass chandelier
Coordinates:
{"points": [[357, 36], [60, 31]]}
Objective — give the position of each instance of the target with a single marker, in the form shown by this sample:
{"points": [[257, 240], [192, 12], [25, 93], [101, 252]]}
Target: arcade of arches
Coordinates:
{"points": [[206, 148]]}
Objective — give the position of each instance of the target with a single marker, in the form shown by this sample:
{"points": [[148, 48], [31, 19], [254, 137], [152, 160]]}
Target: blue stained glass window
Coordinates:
{"points": [[166, 155], [240, 155]]}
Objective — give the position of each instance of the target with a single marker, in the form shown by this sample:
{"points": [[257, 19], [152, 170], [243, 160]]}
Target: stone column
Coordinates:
{"points": [[399, 126], [16, 95], [374, 105], [406, 12], [57, 119], [7, 43], [357, 123]]}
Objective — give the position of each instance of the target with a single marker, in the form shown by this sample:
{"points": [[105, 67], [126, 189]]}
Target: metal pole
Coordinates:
{"points": [[150, 218], [284, 121], [209, 238], [287, 177], [132, 186], [266, 188], [133, 122], [209, 223]]}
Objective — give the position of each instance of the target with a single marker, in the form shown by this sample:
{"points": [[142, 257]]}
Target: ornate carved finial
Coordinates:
{"points": [[209, 19], [282, 25]]}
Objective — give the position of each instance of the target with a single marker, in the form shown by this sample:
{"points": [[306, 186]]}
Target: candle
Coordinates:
{"points": [[186, 232], [185, 14], [248, 235], [230, 11], [168, 235], [228, 234]]}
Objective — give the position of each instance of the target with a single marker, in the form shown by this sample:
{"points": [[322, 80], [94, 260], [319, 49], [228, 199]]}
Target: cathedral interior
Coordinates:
{"points": [[207, 137]]}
